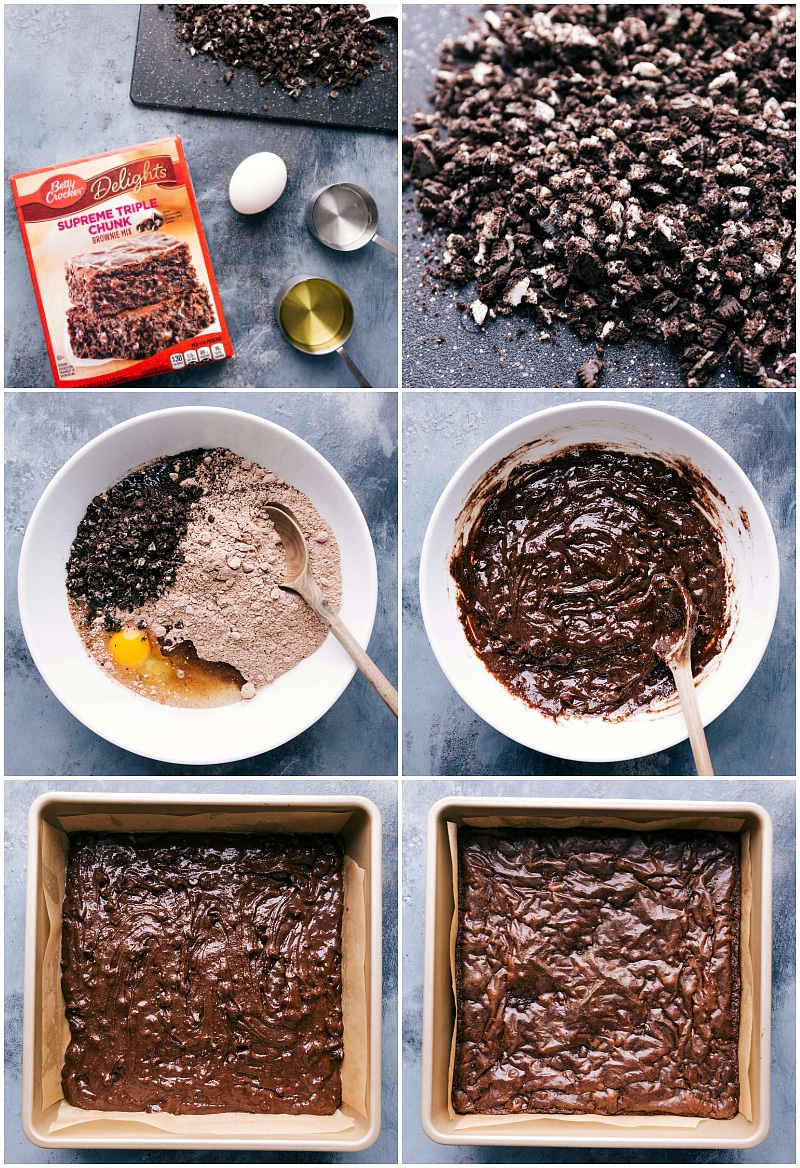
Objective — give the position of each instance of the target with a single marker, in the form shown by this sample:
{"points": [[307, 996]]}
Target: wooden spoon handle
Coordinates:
{"points": [[316, 599], [364, 662], [684, 683]]}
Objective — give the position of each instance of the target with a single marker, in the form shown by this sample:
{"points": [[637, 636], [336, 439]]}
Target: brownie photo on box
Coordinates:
{"points": [[133, 298], [597, 973]]}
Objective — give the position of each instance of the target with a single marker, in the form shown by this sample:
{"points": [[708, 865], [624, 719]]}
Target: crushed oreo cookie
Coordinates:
{"points": [[294, 44], [591, 371], [127, 545], [625, 169]]}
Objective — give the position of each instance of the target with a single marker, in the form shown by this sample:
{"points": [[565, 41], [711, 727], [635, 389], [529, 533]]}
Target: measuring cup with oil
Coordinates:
{"points": [[316, 316]]}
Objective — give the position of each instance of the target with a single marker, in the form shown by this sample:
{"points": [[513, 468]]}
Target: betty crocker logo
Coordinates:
{"points": [[62, 190]]}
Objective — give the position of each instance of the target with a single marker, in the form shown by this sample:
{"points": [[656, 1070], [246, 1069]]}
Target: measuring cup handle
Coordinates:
{"points": [[381, 242], [359, 376]]}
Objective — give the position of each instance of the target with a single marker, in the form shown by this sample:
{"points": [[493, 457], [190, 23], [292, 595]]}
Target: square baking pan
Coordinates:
{"points": [[744, 1130], [50, 1122]]}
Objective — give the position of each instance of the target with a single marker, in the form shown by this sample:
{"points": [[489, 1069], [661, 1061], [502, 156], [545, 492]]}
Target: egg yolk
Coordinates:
{"points": [[182, 679], [130, 647]]}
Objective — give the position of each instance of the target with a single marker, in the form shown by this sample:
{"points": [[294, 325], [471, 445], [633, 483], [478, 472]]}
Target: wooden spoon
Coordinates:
{"points": [[298, 578], [675, 650]]}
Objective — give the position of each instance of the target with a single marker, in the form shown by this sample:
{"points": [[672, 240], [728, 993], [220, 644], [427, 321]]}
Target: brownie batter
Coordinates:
{"points": [[573, 571], [597, 973], [202, 973]]}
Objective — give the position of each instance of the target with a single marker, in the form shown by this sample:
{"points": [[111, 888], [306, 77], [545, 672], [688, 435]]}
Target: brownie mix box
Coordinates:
{"points": [[120, 266]]}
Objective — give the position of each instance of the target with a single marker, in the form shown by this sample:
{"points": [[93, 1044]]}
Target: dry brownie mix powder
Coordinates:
{"points": [[183, 548], [625, 169]]}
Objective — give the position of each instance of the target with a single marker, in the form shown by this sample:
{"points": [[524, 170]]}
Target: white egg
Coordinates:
{"points": [[257, 183]]}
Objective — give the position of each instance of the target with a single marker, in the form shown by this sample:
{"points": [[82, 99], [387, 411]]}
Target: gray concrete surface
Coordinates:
{"points": [[356, 432], [67, 80], [777, 796], [442, 736], [19, 794]]}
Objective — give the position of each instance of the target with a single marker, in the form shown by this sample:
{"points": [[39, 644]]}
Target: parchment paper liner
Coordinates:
{"points": [[704, 823], [55, 1028]]}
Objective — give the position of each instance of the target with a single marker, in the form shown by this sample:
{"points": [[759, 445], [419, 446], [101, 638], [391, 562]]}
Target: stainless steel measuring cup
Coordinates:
{"points": [[345, 217], [316, 316]]}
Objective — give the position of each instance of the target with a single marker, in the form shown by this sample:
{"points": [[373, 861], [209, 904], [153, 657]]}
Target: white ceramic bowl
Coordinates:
{"points": [[280, 711], [749, 551]]}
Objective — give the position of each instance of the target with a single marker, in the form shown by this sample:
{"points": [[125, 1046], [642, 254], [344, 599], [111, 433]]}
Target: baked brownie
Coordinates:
{"points": [[139, 332], [202, 973], [130, 273], [597, 972]]}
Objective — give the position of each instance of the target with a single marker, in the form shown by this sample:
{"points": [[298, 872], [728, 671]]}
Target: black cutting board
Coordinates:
{"points": [[167, 76]]}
